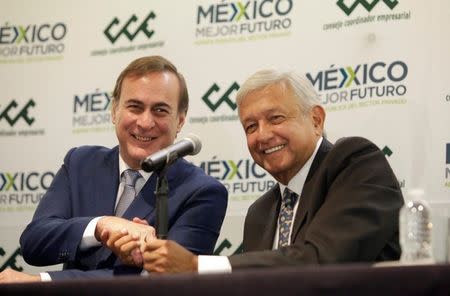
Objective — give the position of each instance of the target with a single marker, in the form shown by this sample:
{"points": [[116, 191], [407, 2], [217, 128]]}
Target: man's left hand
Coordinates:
{"points": [[168, 256], [12, 276]]}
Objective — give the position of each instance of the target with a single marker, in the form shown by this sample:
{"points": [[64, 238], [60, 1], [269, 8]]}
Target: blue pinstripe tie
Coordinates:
{"points": [[286, 217], [129, 177]]}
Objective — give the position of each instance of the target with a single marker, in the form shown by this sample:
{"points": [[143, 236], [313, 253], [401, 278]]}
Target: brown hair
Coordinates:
{"points": [[151, 64]]}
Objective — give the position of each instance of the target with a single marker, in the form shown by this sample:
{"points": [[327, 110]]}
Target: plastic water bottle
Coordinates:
{"points": [[415, 233]]}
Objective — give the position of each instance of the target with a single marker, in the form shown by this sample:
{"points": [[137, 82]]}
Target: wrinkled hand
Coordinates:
{"points": [[168, 256], [125, 237], [12, 276]]}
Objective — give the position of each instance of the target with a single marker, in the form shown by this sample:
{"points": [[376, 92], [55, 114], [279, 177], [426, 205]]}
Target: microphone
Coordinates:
{"points": [[190, 145]]}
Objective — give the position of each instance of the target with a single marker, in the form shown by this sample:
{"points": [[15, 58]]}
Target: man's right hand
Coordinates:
{"points": [[124, 237]]}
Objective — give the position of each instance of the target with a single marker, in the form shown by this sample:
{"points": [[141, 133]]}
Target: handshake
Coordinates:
{"points": [[135, 243], [128, 240]]}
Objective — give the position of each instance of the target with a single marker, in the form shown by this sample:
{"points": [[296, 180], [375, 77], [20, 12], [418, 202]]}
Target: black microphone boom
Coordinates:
{"points": [[190, 145]]}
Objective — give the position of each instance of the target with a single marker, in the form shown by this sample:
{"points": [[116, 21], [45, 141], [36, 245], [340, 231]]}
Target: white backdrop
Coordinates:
{"points": [[381, 67]]}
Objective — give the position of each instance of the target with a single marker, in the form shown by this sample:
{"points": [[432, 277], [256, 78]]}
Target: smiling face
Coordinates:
{"points": [[146, 116], [280, 137]]}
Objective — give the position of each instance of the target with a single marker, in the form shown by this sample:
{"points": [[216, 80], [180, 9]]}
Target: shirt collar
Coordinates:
{"points": [[123, 167], [298, 181]]}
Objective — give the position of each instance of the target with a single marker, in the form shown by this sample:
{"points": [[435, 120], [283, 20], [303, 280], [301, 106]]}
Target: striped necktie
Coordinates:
{"points": [[129, 178]]}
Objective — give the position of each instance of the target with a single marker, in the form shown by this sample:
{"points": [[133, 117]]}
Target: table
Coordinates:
{"points": [[309, 280]]}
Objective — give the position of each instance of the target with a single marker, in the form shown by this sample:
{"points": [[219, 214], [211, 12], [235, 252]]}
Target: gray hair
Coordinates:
{"points": [[302, 88]]}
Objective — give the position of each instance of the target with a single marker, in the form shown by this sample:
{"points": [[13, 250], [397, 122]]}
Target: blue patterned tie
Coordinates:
{"points": [[129, 177], [286, 216]]}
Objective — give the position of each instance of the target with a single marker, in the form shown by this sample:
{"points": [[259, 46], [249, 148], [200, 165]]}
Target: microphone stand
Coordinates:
{"points": [[162, 208]]}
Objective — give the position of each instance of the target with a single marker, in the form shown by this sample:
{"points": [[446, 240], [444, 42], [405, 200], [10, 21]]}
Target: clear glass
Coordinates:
{"points": [[415, 232]]}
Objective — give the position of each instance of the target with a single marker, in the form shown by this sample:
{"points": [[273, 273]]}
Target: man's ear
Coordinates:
{"points": [[181, 120], [113, 110], [318, 118]]}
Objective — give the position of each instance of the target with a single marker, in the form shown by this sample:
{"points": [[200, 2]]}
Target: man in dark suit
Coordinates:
{"points": [[81, 206], [332, 204]]}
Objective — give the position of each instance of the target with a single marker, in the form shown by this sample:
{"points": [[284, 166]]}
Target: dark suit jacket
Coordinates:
{"points": [[86, 187], [348, 212]]}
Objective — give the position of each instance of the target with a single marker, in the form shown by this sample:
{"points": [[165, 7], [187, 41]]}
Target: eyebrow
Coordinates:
{"points": [[162, 104], [139, 102], [265, 113], [133, 101]]}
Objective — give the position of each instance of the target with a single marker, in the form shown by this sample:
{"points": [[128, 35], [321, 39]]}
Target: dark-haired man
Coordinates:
{"points": [[85, 203]]}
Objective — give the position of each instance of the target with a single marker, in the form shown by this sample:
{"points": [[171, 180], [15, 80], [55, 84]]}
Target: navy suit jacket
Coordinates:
{"points": [[348, 212], [86, 187]]}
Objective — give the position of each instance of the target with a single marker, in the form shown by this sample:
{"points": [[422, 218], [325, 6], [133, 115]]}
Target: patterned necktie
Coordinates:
{"points": [[286, 216], [129, 177]]}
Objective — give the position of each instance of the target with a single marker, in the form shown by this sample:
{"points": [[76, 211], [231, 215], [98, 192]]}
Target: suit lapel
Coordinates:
{"points": [[306, 197], [270, 216], [144, 204], [107, 184], [106, 190]]}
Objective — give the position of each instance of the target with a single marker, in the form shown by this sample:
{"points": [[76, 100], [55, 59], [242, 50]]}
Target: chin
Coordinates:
{"points": [[138, 156], [275, 168]]}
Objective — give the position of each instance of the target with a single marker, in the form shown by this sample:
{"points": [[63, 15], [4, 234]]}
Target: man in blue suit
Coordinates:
{"points": [[78, 211]]}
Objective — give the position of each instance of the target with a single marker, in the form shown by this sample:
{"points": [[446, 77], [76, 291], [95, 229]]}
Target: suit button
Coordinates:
{"points": [[63, 255]]}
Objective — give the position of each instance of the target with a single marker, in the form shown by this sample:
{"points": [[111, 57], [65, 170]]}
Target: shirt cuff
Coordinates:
{"points": [[45, 277], [213, 264], [88, 240]]}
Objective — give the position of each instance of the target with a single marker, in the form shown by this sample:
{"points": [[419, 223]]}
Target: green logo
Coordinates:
{"points": [[143, 27], [11, 261], [22, 114], [224, 98], [225, 244], [387, 151], [366, 4]]}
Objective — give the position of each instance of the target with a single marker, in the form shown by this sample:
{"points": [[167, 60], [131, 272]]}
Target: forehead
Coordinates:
{"points": [[276, 97], [161, 78], [155, 86]]}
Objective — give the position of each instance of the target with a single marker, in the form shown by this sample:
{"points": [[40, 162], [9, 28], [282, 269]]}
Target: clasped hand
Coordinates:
{"points": [[125, 238], [134, 243]]}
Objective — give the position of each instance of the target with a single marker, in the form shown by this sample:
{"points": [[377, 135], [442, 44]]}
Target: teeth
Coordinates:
{"points": [[143, 139], [276, 148]]}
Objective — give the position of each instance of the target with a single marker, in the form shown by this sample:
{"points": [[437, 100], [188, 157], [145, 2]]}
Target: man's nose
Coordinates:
{"points": [[146, 120], [264, 132]]}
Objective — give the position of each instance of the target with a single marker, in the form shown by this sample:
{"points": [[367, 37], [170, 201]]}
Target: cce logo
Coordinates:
{"points": [[386, 151], [226, 244], [224, 98], [11, 260], [143, 27], [5, 114], [367, 5]]}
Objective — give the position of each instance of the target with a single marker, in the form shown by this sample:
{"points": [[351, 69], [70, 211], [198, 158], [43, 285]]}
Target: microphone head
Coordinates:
{"points": [[195, 140]]}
